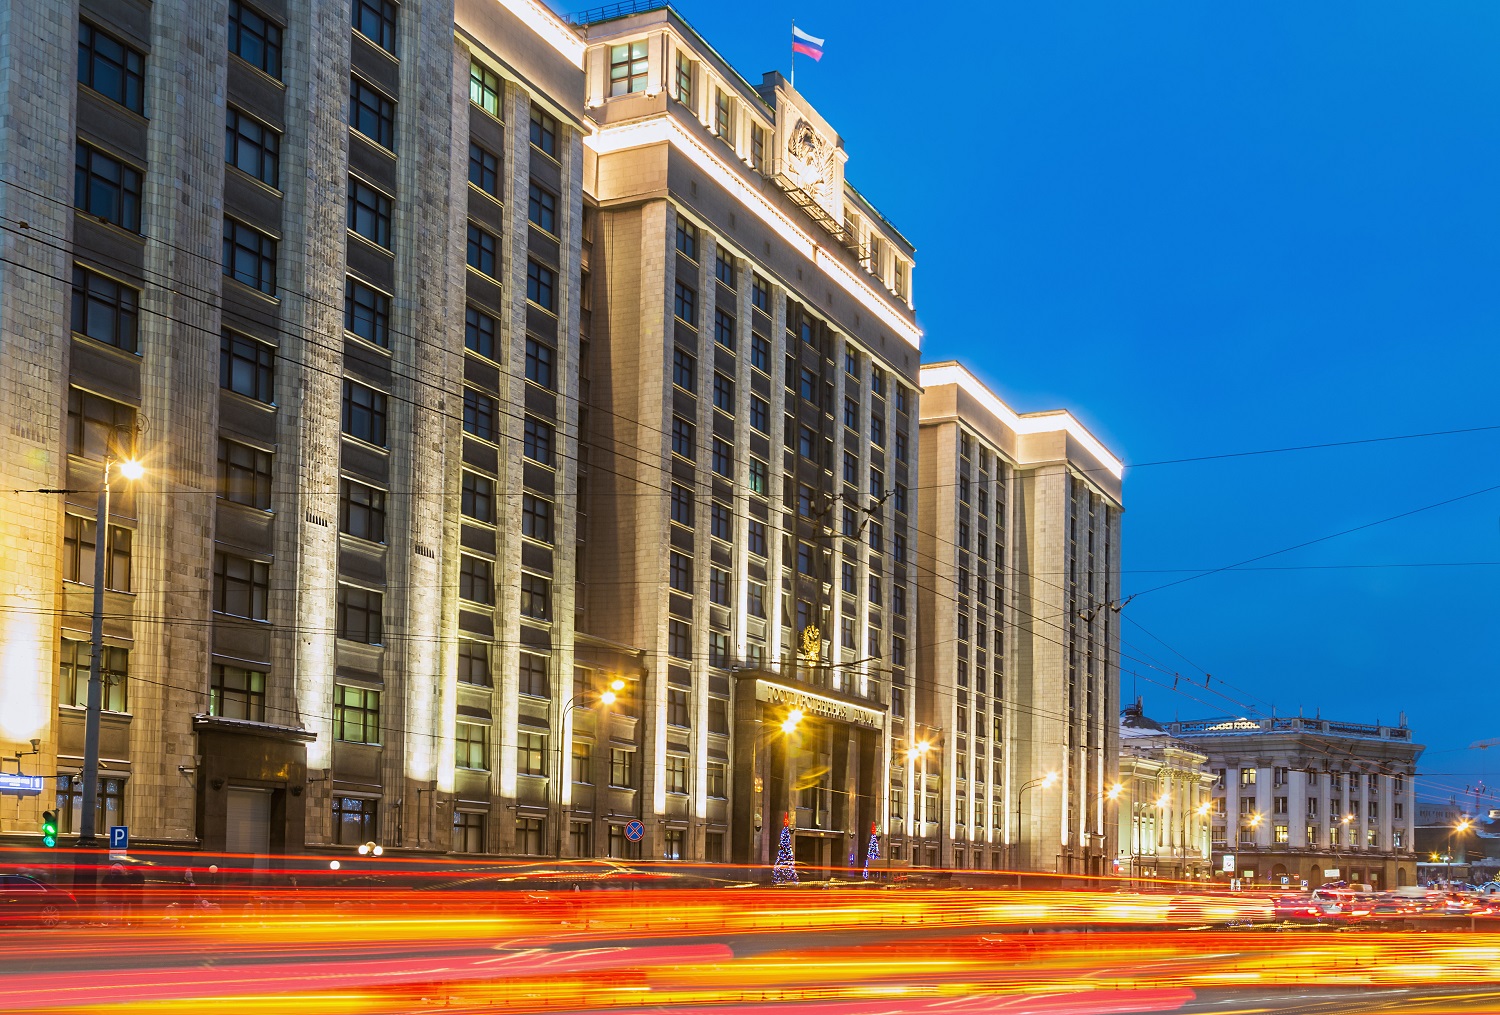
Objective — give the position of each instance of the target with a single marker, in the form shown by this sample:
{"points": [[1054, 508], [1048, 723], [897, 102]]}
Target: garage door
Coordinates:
{"points": [[248, 827]]}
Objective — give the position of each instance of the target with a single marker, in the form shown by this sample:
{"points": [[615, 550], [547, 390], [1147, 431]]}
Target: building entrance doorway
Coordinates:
{"points": [[248, 821]]}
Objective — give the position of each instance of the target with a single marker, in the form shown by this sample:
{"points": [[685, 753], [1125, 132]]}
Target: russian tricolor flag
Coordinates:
{"points": [[806, 44]]}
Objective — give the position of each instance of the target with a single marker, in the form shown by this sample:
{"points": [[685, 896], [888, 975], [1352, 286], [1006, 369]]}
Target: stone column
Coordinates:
{"points": [[1296, 806]]}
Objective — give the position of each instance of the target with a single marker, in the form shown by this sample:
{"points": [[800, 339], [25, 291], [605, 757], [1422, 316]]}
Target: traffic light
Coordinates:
{"points": [[49, 829]]}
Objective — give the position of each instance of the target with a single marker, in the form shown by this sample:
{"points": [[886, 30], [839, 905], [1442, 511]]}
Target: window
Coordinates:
{"points": [[851, 414], [760, 414], [476, 579], [479, 332], [756, 538], [242, 587], [899, 500], [717, 778], [74, 661], [677, 782], [369, 213], [724, 270], [540, 282], [684, 369], [1247, 777], [471, 746], [758, 147], [760, 352], [877, 431], [685, 305], [484, 169], [877, 381], [682, 505], [539, 359], [246, 367], [536, 518], [900, 447], [361, 511], [367, 313], [254, 39], [249, 256], [760, 481], [252, 147], [807, 384], [583, 758], [718, 586], [760, 294], [627, 68], [354, 820], [474, 663], [677, 708], [538, 440], [687, 238], [376, 21], [724, 393], [531, 754], [237, 693], [541, 208], [680, 571], [105, 310], [724, 115], [679, 639], [244, 474], [106, 188], [480, 251], [110, 67], [359, 614], [536, 597], [479, 414], [543, 132], [807, 442], [898, 600], [876, 540], [535, 678], [621, 771], [898, 655], [722, 458], [684, 438], [724, 329], [755, 599], [805, 561], [484, 88], [79, 545], [372, 114], [477, 499], [720, 521], [898, 548], [364, 413], [684, 80], [468, 832]]}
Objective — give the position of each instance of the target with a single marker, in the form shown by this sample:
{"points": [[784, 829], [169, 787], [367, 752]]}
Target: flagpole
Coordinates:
{"points": [[794, 55]]}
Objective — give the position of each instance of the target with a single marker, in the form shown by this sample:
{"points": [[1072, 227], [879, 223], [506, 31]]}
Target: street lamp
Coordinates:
{"points": [[1045, 782], [131, 470], [919, 752], [371, 849], [607, 697], [1460, 828]]}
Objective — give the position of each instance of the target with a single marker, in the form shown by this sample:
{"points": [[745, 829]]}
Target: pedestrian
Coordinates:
{"points": [[112, 892]]}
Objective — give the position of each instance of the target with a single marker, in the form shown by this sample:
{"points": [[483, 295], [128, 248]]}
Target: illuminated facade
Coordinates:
{"points": [[1019, 646], [1163, 803], [1310, 799]]}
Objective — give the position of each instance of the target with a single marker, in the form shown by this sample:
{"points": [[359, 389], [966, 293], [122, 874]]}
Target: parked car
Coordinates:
{"points": [[25, 901]]}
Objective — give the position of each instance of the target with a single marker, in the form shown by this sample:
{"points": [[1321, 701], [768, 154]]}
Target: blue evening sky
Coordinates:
{"points": [[1209, 228]]}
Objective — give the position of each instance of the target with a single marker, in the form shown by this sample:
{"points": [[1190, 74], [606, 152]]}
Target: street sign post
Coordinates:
{"points": [[119, 841], [634, 831], [1228, 863]]}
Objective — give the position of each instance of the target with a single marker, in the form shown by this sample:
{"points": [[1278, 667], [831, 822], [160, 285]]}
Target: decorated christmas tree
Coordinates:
{"points": [[873, 853], [785, 869]]}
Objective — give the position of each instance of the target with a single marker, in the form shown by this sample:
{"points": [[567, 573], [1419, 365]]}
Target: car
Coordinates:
{"points": [[26, 901]]}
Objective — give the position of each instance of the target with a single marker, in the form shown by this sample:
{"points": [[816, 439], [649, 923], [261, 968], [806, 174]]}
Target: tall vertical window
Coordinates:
{"points": [[111, 68], [627, 68], [242, 586], [536, 518], [252, 147], [372, 113], [684, 369], [680, 571], [361, 511], [758, 147], [484, 88], [247, 367], [369, 213], [480, 253], [356, 714], [543, 132], [535, 679], [760, 294], [539, 361], [359, 614], [79, 546], [254, 38], [484, 169], [760, 414], [724, 266], [760, 353], [471, 746], [538, 440], [474, 663], [364, 413], [244, 474], [376, 21], [687, 238], [106, 188], [105, 310], [479, 414], [468, 832], [367, 313], [685, 304], [479, 332], [681, 503], [685, 80], [541, 207], [74, 661], [540, 285], [237, 693], [477, 500], [724, 115], [724, 329], [536, 597], [679, 639], [355, 819], [249, 256], [476, 579]]}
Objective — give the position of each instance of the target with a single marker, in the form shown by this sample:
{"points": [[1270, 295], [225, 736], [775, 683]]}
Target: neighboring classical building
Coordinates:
{"points": [[1019, 553], [1163, 803], [1310, 799]]}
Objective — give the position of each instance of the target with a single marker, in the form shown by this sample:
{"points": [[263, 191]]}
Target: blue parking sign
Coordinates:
{"points": [[119, 838]]}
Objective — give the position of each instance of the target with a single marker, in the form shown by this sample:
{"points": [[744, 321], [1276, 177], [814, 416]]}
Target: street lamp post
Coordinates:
{"points": [[1460, 828], [607, 697], [1043, 781], [920, 750], [87, 832]]}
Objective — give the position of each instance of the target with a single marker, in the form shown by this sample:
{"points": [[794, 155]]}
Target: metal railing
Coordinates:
{"points": [[611, 11]]}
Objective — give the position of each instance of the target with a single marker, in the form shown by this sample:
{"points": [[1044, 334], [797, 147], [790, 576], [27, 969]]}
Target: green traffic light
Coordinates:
{"points": [[49, 829]]}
